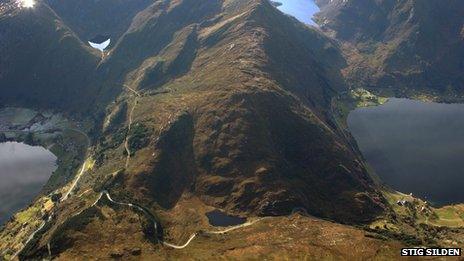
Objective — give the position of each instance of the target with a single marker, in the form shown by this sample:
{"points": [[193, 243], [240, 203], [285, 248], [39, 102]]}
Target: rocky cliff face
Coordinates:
{"points": [[405, 44]]}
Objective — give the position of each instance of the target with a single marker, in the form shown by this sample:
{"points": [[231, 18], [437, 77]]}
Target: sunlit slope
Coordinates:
{"points": [[234, 108], [400, 44]]}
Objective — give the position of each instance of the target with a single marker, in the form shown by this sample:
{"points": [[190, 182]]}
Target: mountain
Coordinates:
{"points": [[236, 152], [88, 19], [43, 63], [399, 44], [231, 105], [215, 104]]}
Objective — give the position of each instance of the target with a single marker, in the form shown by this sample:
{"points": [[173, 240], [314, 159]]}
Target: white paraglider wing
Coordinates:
{"points": [[100, 46]]}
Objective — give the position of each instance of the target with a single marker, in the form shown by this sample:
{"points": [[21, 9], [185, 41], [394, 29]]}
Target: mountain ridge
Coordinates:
{"points": [[399, 44], [54, 45]]}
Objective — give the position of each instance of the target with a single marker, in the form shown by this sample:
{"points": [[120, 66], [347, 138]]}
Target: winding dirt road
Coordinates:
{"points": [[130, 205], [126, 141], [155, 222], [76, 180], [65, 197]]}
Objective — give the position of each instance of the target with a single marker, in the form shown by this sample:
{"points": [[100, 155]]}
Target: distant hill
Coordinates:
{"points": [[406, 44]]}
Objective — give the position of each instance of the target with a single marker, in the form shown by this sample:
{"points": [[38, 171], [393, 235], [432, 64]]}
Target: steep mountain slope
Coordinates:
{"points": [[223, 103], [247, 126], [42, 62], [90, 18], [400, 44]]}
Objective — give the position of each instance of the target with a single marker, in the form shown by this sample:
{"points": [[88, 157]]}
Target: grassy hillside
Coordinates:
{"points": [[400, 44], [238, 127]]}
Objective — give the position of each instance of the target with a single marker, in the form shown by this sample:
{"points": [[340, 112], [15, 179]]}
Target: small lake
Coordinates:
{"points": [[24, 170], [218, 218], [415, 147], [303, 10]]}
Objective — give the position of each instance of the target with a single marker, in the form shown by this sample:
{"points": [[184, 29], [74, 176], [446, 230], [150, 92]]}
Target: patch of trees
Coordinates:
{"points": [[3, 137], [138, 137]]}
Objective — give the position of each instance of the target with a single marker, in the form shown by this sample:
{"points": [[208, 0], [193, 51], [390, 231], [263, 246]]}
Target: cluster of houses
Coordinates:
{"points": [[406, 203]]}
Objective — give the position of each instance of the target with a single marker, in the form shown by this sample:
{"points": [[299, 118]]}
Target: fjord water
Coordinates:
{"points": [[303, 10], [415, 147], [24, 170]]}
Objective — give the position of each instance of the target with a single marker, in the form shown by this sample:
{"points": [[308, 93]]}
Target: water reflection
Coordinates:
{"points": [[414, 146], [218, 218], [24, 170]]}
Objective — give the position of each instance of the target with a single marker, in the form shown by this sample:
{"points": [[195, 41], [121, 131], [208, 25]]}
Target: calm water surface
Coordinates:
{"points": [[220, 219], [415, 147], [24, 170], [303, 10]]}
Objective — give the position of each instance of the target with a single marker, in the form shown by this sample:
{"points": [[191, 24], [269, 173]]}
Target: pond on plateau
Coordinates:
{"points": [[218, 218]]}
